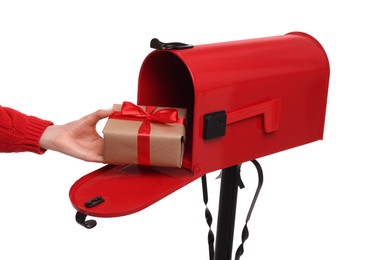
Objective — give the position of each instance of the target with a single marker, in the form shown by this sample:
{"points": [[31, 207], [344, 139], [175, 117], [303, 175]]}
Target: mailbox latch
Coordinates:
{"points": [[214, 125]]}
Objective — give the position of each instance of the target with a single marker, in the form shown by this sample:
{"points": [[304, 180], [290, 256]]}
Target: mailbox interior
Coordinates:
{"points": [[166, 81]]}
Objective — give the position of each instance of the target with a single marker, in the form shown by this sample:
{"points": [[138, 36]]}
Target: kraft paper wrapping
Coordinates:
{"points": [[166, 141]]}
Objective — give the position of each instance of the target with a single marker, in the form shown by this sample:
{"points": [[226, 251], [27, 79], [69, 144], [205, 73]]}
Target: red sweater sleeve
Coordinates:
{"points": [[20, 132]]}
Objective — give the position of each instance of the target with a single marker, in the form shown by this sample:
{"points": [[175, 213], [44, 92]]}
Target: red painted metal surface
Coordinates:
{"points": [[126, 189], [273, 90], [232, 76]]}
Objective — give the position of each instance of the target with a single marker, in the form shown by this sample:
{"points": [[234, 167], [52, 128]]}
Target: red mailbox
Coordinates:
{"points": [[245, 99]]}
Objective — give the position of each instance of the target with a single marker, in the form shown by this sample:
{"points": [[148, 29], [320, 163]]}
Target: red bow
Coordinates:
{"points": [[167, 115], [130, 111]]}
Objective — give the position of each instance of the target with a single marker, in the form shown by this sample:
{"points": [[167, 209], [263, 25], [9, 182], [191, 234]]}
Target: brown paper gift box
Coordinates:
{"points": [[166, 141]]}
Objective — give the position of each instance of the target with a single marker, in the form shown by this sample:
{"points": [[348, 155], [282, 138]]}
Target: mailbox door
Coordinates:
{"points": [[125, 189]]}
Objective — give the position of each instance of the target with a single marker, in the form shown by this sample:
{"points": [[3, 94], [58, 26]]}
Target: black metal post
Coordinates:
{"points": [[227, 212]]}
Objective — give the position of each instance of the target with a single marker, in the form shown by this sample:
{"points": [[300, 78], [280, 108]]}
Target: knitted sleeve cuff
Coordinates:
{"points": [[33, 133]]}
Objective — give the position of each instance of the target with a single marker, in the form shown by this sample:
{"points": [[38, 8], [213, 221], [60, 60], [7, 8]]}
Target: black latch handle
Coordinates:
{"points": [[158, 45], [94, 202]]}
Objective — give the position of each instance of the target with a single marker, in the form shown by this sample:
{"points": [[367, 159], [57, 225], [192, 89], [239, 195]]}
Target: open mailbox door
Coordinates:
{"points": [[245, 99], [118, 190]]}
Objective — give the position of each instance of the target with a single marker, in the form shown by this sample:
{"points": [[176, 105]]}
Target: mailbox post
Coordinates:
{"points": [[227, 212]]}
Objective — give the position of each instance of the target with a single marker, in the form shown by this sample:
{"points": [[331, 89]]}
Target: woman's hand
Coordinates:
{"points": [[78, 138]]}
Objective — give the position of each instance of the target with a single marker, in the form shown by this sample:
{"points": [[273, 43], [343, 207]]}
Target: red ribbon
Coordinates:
{"points": [[130, 111]]}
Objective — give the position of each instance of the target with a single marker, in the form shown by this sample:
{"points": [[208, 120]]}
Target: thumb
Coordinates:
{"points": [[99, 114]]}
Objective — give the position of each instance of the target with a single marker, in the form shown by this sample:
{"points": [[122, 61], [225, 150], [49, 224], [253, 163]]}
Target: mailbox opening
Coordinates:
{"points": [[166, 81]]}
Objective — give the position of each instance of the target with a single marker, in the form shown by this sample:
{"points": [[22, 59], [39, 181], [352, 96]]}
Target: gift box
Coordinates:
{"points": [[145, 135]]}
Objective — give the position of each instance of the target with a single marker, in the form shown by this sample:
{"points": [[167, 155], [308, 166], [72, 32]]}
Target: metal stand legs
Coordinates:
{"points": [[227, 212]]}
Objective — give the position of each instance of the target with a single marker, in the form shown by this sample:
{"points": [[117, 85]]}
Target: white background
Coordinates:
{"points": [[60, 60]]}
